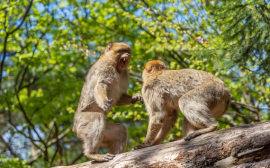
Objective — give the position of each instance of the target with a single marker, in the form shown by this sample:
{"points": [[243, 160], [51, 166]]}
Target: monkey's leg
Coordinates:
{"points": [[155, 123], [195, 109], [115, 138], [166, 127], [90, 129], [188, 127]]}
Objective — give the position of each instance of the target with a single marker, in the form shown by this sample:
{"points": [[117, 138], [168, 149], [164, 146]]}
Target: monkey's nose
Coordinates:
{"points": [[125, 56]]}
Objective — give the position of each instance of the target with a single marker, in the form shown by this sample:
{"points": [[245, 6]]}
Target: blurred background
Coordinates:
{"points": [[47, 47]]}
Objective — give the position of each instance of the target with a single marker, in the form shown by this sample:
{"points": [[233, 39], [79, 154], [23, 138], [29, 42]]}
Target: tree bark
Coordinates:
{"points": [[243, 146]]}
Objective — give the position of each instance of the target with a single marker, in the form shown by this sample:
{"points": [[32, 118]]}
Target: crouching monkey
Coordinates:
{"points": [[105, 85], [199, 95]]}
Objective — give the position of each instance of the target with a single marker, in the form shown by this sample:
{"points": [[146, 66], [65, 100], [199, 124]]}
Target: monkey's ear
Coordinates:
{"points": [[109, 47], [151, 69]]}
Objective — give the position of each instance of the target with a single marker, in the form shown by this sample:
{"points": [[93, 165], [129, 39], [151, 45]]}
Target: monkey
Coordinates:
{"points": [[199, 95], [106, 85]]}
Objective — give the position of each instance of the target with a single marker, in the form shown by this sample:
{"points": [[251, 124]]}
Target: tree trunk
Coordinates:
{"points": [[243, 146]]}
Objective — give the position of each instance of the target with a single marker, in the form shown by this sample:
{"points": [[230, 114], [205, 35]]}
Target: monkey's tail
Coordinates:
{"points": [[74, 126], [228, 102], [74, 129]]}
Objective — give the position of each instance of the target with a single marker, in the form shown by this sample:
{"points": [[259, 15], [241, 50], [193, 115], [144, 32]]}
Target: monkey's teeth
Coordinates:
{"points": [[124, 59]]}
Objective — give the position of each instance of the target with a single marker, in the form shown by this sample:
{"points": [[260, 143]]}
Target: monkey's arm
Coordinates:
{"points": [[101, 97], [127, 100]]}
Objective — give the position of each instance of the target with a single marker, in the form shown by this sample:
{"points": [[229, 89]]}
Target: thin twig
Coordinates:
{"points": [[8, 147], [40, 152], [6, 38]]}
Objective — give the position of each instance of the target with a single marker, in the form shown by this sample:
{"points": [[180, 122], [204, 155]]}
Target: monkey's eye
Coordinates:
{"points": [[123, 51]]}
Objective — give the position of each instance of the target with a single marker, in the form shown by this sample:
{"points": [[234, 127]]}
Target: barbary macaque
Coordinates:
{"points": [[105, 85], [199, 95]]}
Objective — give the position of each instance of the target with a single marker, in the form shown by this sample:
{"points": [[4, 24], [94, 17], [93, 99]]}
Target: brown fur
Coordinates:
{"points": [[105, 85], [199, 95]]}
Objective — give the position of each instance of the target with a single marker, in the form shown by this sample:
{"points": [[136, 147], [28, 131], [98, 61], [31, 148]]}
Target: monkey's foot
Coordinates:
{"points": [[101, 157], [191, 136], [137, 97], [107, 105], [143, 145]]}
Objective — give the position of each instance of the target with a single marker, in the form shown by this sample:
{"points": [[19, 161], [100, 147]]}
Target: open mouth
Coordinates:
{"points": [[122, 63]]}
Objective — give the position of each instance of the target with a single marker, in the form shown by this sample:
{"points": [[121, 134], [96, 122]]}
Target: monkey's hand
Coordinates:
{"points": [[136, 97], [142, 145], [107, 105]]}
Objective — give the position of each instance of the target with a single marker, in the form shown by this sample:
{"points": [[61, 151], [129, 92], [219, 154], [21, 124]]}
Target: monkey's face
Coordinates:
{"points": [[123, 59], [121, 53]]}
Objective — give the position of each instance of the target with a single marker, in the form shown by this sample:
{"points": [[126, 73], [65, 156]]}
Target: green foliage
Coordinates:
{"points": [[47, 51], [12, 162], [244, 27]]}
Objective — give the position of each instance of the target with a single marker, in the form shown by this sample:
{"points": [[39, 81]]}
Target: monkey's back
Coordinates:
{"points": [[170, 85]]}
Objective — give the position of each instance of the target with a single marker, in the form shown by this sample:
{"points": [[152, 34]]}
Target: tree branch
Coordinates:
{"points": [[8, 6], [248, 144], [40, 152], [8, 147], [5, 41]]}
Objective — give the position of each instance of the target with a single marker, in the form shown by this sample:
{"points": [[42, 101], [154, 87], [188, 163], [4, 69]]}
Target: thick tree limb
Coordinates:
{"points": [[247, 145]]}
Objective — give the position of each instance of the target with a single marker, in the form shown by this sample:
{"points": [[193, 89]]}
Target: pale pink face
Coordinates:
{"points": [[121, 52], [123, 60]]}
